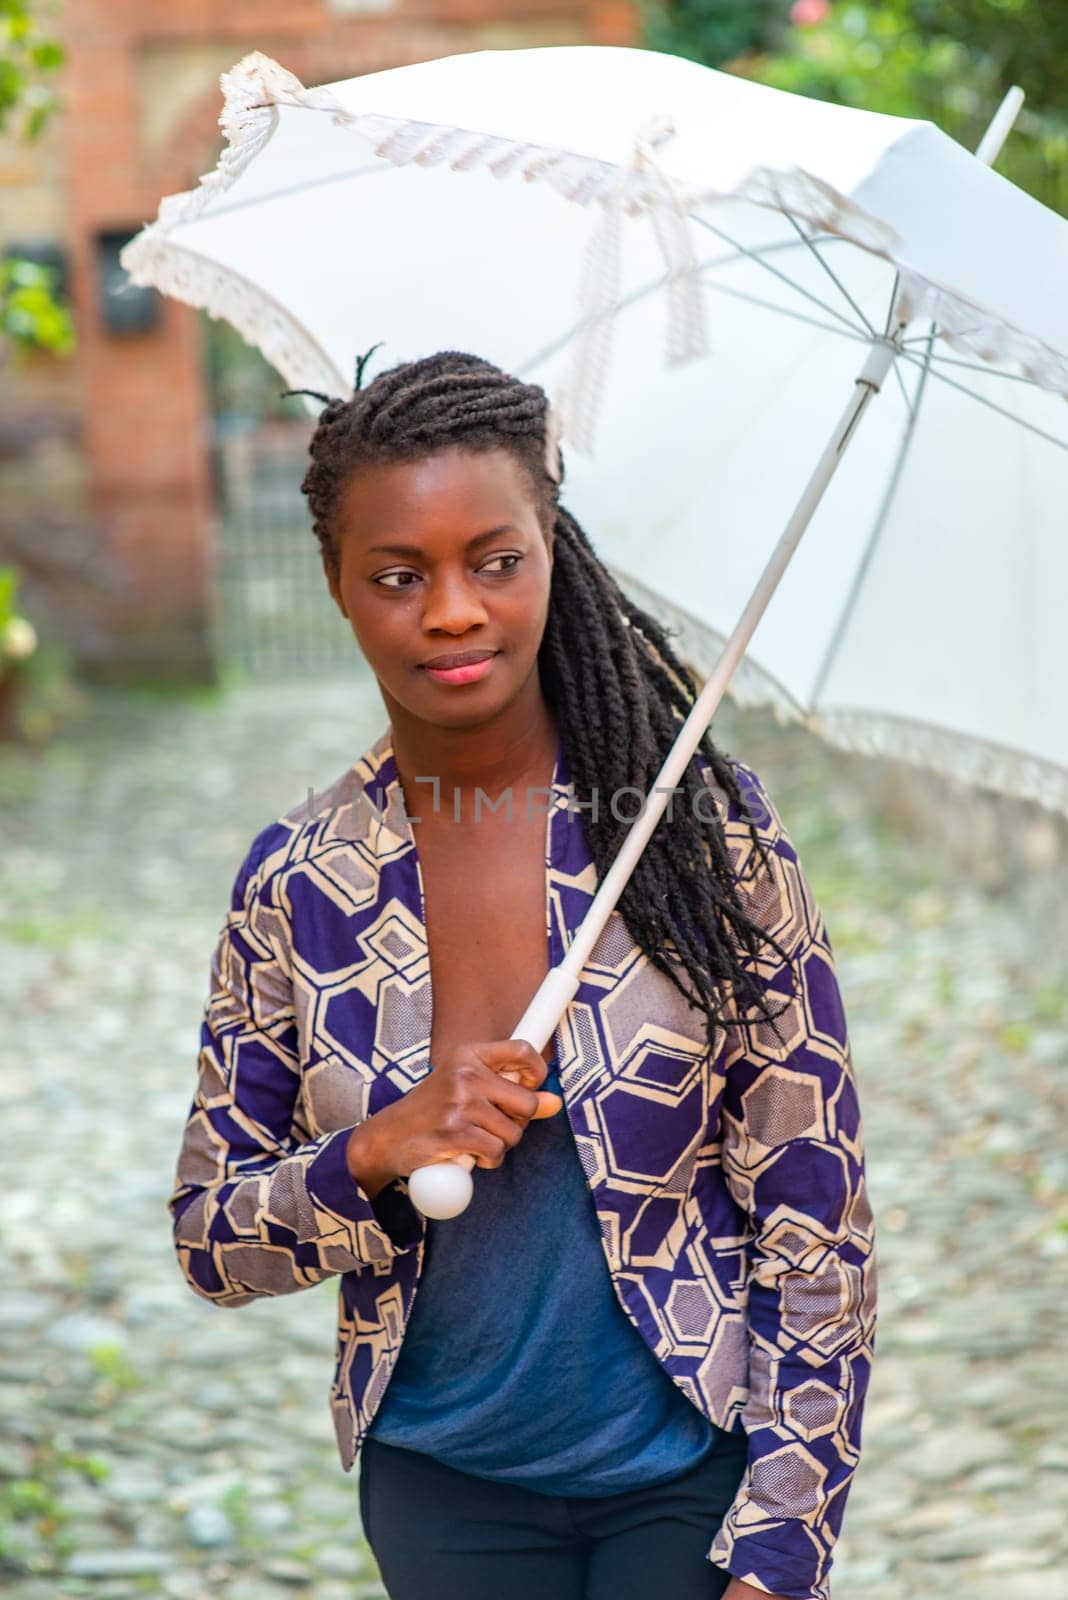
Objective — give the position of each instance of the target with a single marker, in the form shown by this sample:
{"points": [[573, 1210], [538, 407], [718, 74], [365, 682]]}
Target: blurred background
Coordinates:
{"points": [[173, 675]]}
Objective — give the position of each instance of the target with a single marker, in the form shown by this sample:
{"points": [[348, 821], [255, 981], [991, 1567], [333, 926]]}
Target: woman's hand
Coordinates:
{"points": [[464, 1106]]}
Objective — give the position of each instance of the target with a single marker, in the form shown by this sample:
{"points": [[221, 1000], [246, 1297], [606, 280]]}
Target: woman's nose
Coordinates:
{"points": [[452, 606]]}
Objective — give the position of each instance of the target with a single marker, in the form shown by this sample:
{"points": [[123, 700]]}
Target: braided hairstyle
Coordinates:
{"points": [[608, 671]]}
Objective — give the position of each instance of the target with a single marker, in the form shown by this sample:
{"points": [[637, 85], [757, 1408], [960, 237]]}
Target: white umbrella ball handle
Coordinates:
{"points": [[443, 1188]]}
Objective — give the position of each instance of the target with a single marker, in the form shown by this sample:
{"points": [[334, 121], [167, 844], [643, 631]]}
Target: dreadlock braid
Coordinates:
{"points": [[608, 671]]}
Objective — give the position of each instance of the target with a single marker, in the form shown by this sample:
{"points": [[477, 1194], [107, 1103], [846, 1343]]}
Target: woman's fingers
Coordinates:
{"points": [[526, 1105], [498, 1096], [515, 1057], [500, 1133], [504, 1115], [548, 1103]]}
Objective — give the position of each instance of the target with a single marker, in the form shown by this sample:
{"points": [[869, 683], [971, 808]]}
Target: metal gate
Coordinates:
{"points": [[274, 617]]}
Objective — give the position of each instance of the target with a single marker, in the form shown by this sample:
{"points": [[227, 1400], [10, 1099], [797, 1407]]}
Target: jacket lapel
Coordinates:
{"points": [[633, 1056], [634, 1066]]}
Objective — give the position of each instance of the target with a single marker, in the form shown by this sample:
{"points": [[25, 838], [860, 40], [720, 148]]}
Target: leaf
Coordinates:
{"points": [[9, 582], [47, 54], [38, 117]]}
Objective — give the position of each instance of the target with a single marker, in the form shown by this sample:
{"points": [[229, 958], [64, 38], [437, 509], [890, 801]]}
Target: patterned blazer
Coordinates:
{"points": [[728, 1181]]}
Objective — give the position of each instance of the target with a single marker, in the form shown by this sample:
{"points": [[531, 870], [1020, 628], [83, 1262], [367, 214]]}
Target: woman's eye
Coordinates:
{"points": [[404, 580]]}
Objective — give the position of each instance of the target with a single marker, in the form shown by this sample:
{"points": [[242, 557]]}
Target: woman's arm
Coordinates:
{"points": [[255, 1211], [793, 1160]]}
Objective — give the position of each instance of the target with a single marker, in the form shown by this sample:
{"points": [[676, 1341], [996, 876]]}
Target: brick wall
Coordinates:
{"points": [[141, 103]]}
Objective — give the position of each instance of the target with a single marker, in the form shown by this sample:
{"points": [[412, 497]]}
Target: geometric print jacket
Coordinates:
{"points": [[728, 1180]]}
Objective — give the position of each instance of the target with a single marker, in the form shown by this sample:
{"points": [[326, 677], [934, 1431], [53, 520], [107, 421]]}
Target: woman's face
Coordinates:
{"points": [[439, 557]]}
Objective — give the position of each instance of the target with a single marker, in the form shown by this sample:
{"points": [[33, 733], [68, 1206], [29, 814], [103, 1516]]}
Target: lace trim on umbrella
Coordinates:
{"points": [[971, 330], [251, 92], [258, 85], [152, 258], [979, 763], [700, 646]]}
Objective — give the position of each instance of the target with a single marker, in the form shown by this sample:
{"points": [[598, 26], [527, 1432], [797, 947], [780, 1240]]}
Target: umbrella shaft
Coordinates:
{"points": [[868, 381], [558, 987]]}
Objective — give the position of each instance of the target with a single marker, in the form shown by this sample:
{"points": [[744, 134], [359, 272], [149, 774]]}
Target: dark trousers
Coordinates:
{"points": [[440, 1534]]}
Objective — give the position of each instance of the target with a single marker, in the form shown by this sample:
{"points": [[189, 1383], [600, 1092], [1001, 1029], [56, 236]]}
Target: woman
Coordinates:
{"points": [[636, 1365]]}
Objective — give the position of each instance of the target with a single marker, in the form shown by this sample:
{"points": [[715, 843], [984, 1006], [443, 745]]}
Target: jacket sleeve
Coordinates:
{"points": [[793, 1160], [256, 1211]]}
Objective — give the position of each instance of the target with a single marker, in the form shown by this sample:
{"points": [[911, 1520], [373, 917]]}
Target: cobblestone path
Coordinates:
{"points": [[151, 1444]]}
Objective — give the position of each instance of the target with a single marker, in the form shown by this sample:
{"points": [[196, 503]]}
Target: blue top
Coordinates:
{"points": [[529, 1370]]}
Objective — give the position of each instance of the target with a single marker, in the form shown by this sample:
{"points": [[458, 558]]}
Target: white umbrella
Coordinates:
{"points": [[703, 272]]}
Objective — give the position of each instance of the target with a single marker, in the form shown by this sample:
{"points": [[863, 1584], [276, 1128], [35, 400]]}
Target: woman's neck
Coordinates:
{"points": [[514, 752]]}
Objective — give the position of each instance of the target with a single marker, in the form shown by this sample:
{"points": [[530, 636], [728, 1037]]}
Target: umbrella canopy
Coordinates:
{"points": [[694, 267], [700, 270]]}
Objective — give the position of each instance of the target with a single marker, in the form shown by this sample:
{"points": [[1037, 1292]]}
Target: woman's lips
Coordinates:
{"points": [[468, 674]]}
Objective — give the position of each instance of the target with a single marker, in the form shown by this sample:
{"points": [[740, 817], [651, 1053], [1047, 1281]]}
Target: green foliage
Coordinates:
{"points": [[27, 59], [110, 1364], [945, 61], [28, 1497], [714, 31], [875, 58], [240, 380], [34, 1525], [9, 584], [18, 638], [905, 59], [31, 317], [862, 53], [1020, 41]]}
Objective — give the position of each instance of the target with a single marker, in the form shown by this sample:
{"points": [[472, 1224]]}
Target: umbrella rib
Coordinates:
{"points": [[918, 338], [792, 220], [904, 391], [754, 256], [228, 206], [890, 309], [976, 366], [876, 533], [846, 332], [990, 404]]}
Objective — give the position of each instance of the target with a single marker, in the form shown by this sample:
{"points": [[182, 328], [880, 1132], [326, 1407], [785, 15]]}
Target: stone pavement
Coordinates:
{"points": [[152, 1444]]}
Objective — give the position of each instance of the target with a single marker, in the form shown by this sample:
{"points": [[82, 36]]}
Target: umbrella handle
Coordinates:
{"points": [[450, 1193], [446, 1194], [443, 1189]]}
